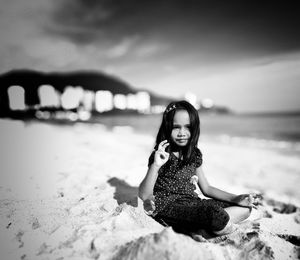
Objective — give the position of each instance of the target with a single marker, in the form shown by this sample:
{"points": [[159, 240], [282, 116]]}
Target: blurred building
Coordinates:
{"points": [[16, 98], [192, 98]]}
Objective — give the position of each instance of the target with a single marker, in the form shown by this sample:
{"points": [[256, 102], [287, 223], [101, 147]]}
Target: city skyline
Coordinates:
{"points": [[245, 56]]}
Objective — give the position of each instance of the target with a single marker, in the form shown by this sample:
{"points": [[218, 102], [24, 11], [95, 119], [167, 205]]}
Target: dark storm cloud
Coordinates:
{"points": [[246, 26]]}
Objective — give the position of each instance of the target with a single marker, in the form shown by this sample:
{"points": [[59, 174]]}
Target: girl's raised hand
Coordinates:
{"points": [[161, 156]]}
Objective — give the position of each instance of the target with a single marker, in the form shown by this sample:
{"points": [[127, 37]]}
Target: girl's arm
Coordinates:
{"points": [[160, 158], [245, 200], [210, 191], [147, 185]]}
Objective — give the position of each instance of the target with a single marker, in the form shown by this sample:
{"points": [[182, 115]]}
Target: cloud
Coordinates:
{"points": [[46, 50], [250, 26], [178, 31], [150, 49], [122, 48]]}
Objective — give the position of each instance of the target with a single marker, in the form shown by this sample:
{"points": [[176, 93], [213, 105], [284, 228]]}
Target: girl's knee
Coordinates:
{"points": [[245, 213], [219, 219]]}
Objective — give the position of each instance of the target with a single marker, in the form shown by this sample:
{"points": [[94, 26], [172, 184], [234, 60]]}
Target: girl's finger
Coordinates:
{"points": [[166, 154], [250, 198], [164, 146], [161, 143], [256, 196], [256, 201]]}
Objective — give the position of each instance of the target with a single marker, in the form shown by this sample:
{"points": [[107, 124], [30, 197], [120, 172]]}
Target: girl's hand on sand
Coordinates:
{"points": [[149, 205], [244, 200], [161, 156], [257, 199]]}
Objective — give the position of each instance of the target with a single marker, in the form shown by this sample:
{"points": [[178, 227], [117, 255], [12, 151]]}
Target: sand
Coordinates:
{"points": [[70, 192]]}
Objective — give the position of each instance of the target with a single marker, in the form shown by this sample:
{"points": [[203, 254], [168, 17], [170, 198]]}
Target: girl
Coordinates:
{"points": [[168, 189]]}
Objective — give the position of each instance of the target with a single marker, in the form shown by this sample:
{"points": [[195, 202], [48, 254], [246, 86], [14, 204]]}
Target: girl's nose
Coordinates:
{"points": [[181, 131]]}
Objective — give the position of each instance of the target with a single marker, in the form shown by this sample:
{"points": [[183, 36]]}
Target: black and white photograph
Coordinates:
{"points": [[145, 129]]}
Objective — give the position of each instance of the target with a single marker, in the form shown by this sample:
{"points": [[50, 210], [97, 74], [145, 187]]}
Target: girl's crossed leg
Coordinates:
{"points": [[189, 216]]}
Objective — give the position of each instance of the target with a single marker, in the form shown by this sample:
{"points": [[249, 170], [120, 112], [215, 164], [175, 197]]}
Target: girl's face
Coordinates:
{"points": [[181, 133]]}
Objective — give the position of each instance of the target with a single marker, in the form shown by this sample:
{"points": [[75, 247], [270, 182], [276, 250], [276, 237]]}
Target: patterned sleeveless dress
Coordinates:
{"points": [[176, 202]]}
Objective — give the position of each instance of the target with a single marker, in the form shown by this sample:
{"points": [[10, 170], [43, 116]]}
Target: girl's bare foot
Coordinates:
{"points": [[201, 235], [198, 237], [229, 228]]}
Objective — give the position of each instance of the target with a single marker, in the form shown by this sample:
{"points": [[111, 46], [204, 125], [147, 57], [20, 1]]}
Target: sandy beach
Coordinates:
{"points": [[70, 192]]}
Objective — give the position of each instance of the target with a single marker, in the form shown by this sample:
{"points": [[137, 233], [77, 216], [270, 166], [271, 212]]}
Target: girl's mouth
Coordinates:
{"points": [[181, 140]]}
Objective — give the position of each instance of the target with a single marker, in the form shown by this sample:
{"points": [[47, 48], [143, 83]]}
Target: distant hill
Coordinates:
{"points": [[30, 80]]}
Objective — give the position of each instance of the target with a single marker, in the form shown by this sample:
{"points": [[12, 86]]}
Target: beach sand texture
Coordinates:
{"points": [[70, 192]]}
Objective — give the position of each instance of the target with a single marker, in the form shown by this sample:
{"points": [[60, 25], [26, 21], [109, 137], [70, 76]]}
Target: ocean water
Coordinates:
{"points": [[269, 131]]}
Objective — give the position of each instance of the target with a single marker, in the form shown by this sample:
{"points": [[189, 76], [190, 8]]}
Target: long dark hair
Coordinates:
{"points": [[165, 129]]}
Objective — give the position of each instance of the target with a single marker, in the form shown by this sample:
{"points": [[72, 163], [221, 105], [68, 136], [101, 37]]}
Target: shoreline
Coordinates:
{"points": [[288, 142]]}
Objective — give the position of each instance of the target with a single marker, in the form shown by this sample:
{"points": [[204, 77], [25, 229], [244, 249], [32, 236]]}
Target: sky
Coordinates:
{"points": [[242, 54]]}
